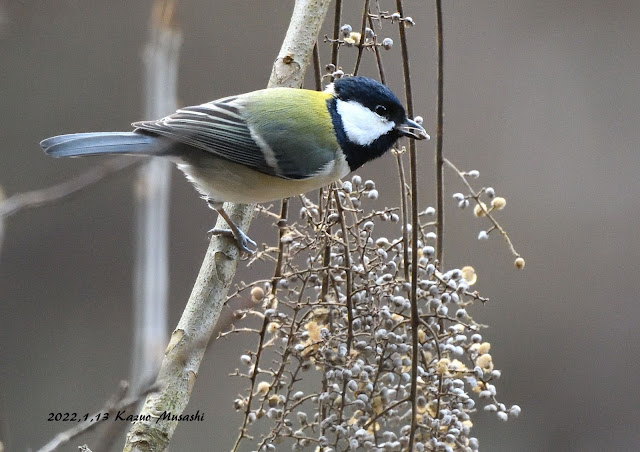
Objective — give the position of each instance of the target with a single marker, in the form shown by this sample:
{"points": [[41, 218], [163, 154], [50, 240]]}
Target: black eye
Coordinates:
{"points": [[381, 110]]}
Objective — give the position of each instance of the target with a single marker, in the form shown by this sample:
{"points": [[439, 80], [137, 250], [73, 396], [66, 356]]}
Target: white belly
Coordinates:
{"points": [[222, 180]]}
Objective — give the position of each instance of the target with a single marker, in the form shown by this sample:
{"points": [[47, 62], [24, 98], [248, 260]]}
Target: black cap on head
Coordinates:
{"points": [[372, 94]]}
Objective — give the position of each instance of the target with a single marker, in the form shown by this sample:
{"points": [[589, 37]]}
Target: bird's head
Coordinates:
{"points": [[368, 119]]}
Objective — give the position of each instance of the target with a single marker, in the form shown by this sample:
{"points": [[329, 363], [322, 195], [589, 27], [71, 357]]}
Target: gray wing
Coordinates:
{"points": [[217, 127]]}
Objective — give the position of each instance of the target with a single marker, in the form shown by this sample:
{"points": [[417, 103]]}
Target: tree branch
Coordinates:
{"points": [[37, 198]]}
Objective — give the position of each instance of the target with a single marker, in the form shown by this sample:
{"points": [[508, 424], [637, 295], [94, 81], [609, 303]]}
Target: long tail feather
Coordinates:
{"points": [[103, 143]]}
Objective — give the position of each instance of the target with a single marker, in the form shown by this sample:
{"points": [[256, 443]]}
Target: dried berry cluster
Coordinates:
{"points": [[333, 370]]}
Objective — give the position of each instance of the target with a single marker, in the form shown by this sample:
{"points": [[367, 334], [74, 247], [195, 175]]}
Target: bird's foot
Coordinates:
{"points": [[242, 240]]}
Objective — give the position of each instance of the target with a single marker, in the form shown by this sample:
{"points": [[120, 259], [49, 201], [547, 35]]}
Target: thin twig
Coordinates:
{"points": [[439, 155], [376, 49], [365, 14], [348, 264], [439, 168], [413, 170], [117, 402], [404, 214], [487, 212], [265, 322], [317, 71], [37, 198], [335, 45], [388, 408]]}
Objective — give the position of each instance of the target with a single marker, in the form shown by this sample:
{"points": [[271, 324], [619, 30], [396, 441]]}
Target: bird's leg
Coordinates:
{"points": [[242, 239]]}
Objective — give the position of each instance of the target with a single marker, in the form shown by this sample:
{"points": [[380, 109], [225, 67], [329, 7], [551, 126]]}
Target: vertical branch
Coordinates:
{"points": [[365, 15], [297, 48], [439, 172], [335, 46], [282, 228], [189, 340], [282, 223], [404, 214], [376, 49], [348, 290], [152, 203], [413, 171], [327, 250], [317, 71], [348, 264], [439, 156], [404, 211]]}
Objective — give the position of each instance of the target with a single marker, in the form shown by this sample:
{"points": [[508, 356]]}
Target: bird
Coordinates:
{"points": [[263, 145]]}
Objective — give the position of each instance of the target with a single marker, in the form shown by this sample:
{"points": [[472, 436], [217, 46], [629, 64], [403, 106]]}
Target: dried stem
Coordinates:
{"points": [[349, 288], [282, 222], [439, 165], [376, 49], [365, 14], [349, 272], [317, 70], [413, 170], [335, 45], [439, 155], [252, 378], [404, 213], [487, 212]]}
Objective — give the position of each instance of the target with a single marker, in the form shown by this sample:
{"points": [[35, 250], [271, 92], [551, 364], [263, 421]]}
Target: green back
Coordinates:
{"points": [[296, 125]]}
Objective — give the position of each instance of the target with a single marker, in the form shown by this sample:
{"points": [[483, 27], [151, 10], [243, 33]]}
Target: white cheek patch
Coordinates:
{"points": [[362, 125]]}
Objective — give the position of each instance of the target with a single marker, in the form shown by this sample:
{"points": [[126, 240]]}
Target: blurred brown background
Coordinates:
{"points": [[542, 97]]}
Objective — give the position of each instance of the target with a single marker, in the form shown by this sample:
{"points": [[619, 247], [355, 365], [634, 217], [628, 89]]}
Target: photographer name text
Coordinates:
{"points": [[123, 416]]}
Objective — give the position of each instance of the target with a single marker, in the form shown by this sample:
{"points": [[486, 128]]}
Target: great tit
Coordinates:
{"points": [[263, 145]]}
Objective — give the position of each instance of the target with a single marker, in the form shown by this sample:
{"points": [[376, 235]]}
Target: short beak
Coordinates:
{"points": [[412, 129]]}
